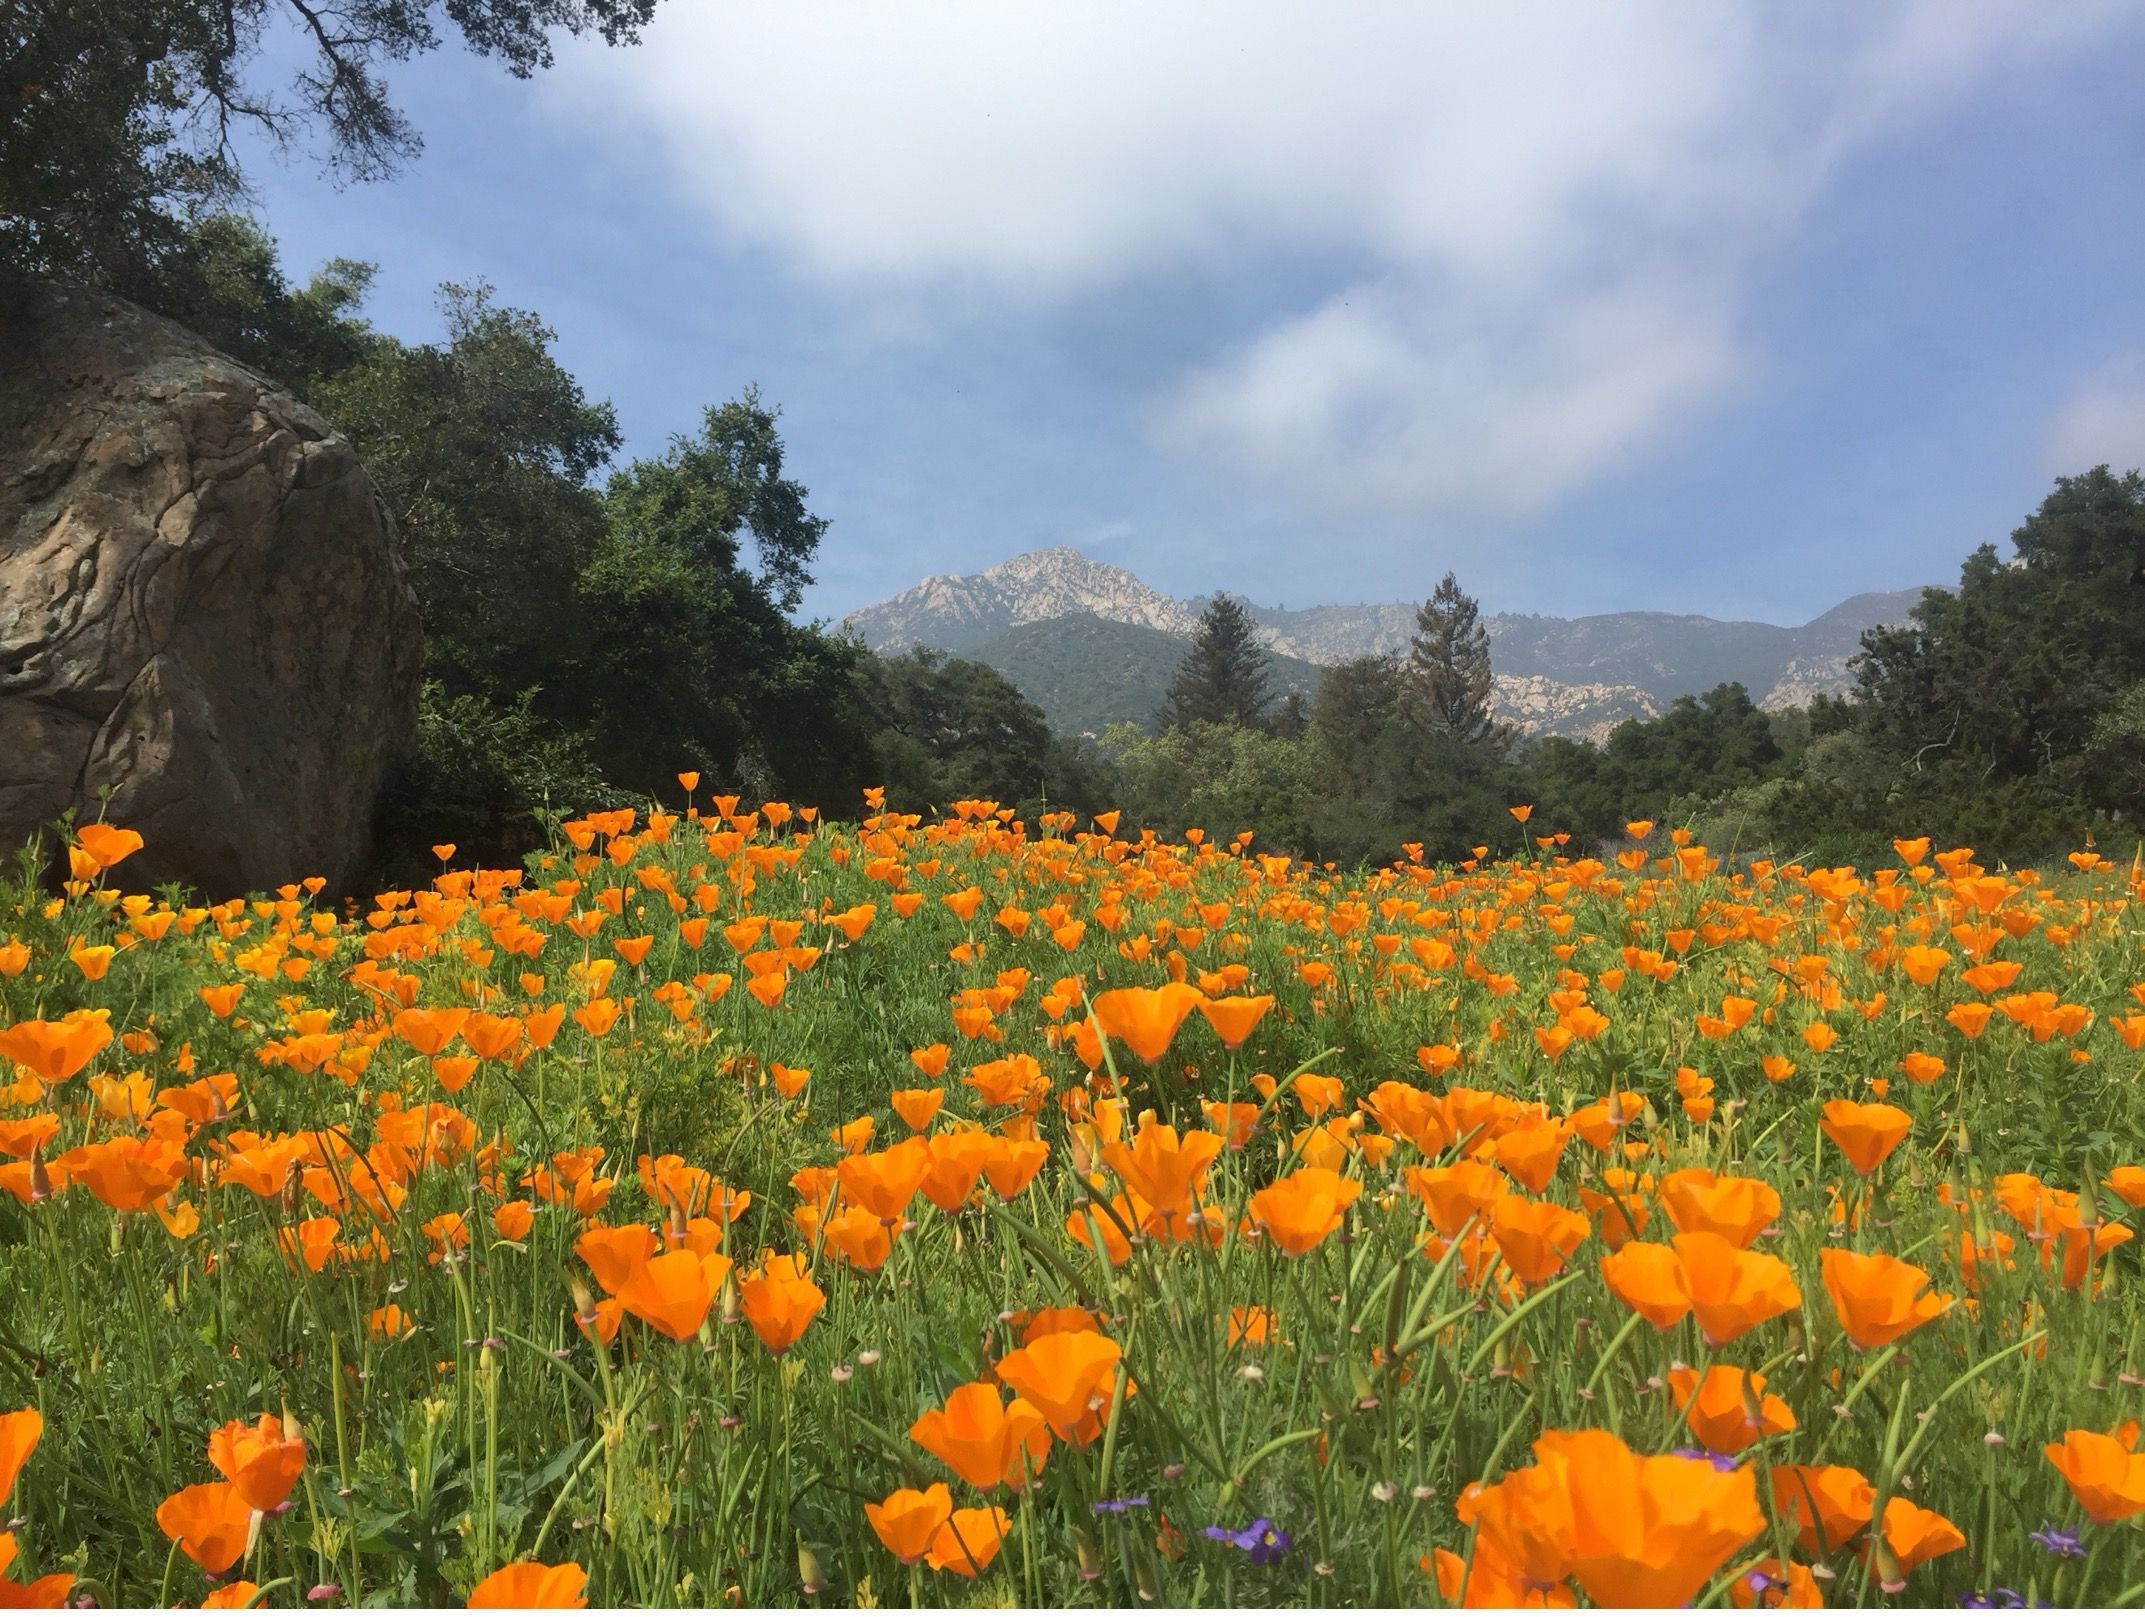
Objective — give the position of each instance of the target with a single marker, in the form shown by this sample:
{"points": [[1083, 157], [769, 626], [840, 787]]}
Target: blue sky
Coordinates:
{"points": [[1726, 310]]}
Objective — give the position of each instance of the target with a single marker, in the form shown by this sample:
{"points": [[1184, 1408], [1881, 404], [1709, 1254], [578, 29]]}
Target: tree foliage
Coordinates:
{"points": [[954, 729], [119, 118], [1448, 689], [1702, 747], [483, 447], [1223, 678], [2003, 679]]}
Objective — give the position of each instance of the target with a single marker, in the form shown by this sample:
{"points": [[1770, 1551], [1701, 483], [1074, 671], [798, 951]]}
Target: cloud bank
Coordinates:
{"points": [[1520, 238]]}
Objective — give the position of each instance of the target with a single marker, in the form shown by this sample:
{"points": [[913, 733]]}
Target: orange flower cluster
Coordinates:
{"points": [[1666, 1148]]}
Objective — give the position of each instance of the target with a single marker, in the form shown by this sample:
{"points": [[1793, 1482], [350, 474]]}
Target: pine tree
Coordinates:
{"points": [[1222, 679], [1448, 687]]}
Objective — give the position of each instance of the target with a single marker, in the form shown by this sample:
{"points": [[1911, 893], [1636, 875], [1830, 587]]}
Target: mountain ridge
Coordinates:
{"points": [[1569, 676]]}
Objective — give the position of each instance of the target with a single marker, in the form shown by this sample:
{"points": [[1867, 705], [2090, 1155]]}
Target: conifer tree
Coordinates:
{"points": [[1448, 689], [1222, 679]]}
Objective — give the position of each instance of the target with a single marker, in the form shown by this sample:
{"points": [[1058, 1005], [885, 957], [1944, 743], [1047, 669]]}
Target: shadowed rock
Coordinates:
{"points": [[202, 605]]}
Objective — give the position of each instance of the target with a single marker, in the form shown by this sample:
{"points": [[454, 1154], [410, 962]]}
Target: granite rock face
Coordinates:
{"points": [[202, 605]]}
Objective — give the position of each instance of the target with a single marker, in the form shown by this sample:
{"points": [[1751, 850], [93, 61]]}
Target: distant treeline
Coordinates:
{"points": [[2008, 714]]}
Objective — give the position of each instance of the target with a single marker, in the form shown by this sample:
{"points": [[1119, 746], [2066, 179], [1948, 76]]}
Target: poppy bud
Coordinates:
{"points": [[1090, 1559], [1143, 1580], [1889, 1576]]}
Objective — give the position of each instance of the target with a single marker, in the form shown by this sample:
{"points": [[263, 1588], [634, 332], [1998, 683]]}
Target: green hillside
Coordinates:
{"points": [[1087, 673]]}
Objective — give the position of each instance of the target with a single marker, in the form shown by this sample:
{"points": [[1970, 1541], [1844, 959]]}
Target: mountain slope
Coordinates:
{"points": [[1087, 673], [1046, 619]]}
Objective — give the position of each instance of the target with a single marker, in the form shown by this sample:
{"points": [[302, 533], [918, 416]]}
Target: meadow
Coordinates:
{"points": [[736, 1207]]}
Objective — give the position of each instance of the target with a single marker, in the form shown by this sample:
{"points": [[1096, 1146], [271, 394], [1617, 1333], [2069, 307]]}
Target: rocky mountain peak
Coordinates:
{"points": [[1566, 676]]}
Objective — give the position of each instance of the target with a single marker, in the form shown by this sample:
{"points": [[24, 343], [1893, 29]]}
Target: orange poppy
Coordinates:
{"points": [[1728, 1409], [907, 1520], [1647, 1278], [859, 1238], [1456, 1193], [1865, 1134], [1631, 1530], [616, 1253], [1145, 1020], [1651, 1531], [1536, 1237], [674, 1292], [1914, 1535], [429, 1032], [19, 1432], [1769, 1586], [1921, 1067], [2103, 1475], [1010, 1165], [1064, 1376], [48, 1593], [1825, 1506], [1304, 1208], [107, 845], [1878, 1298], [968, 1541], [211, 1523], [1530, 1155], [882, 1182], [957, 1161], [533, 1585], [1732, 1290], [1165, 1172], [55, 1051], [1233, 1120], [780, 1300], [492, 1037], [1233, 1019], [126, 1174], [1488, 1580], [916, 1107], [311, 1242], [1620, 1210], [1734, 1208], [983, 1442], [262, 1461]]}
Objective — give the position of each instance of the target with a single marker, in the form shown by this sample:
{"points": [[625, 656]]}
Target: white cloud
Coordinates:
{"points": [[2104, 422], [1548, 210], [1383, 401]]}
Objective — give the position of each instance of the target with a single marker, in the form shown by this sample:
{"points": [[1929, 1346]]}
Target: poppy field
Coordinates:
{"points": [[737, 1207]]}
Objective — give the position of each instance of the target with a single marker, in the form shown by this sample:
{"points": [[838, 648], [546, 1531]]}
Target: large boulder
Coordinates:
{"points": [[202, 605]]}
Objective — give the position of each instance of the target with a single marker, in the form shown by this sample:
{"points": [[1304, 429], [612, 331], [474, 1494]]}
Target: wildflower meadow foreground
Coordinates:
{"points": [[734, 1207]]}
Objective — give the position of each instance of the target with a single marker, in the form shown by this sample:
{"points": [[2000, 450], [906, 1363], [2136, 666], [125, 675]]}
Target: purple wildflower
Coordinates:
{"points": [[1719, 1461], [1117, 1507], [1262, 1541], [2067, 1542]]}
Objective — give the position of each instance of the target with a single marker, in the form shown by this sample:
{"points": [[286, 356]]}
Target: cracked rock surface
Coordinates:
{"points": [[202, 605]]}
